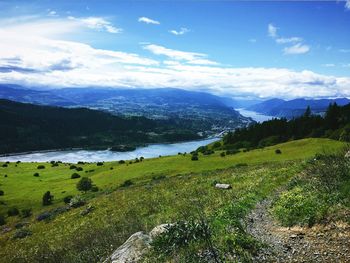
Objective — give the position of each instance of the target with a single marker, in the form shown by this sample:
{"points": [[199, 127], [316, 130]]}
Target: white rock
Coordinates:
{"points": [[159, 230], [347, 155], [223, 186]]}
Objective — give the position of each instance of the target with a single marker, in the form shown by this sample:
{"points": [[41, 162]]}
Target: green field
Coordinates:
{"points": [[118, 212]]}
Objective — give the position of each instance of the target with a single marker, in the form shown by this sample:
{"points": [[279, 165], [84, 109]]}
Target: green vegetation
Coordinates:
{"points": [[335, 125], [27, 127], [164, 190]]}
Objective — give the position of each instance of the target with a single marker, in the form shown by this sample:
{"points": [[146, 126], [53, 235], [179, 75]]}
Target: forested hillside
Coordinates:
{"points": [[27, 127]]}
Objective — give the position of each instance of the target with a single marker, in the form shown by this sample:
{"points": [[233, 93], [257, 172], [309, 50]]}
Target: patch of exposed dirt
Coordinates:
{"points": [[320, 243]]}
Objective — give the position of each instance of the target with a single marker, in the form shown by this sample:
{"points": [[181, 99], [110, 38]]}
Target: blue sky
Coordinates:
{"points": [[259, 49]]}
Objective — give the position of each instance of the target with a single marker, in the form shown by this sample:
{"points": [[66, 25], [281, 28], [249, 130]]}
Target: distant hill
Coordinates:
{"points": [[296, 107], [198, 110], [27, 127]]}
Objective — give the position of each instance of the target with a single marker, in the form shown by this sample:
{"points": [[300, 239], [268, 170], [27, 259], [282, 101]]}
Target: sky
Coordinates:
{"points": [[252, 49]]}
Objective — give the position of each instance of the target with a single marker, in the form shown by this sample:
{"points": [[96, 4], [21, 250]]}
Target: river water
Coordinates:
{"points": [[254, 115], [73, 156]]}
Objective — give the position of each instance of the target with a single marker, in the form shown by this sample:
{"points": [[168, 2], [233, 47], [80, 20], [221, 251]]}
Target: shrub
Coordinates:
{"points": [[47, 198], [36, 174], [13, 211], [278, 151], [54, 164], [84, 184], [71, 167], [77, 201], [67, 199], [44, 216], [127, 183], [1, 192], [241, 165], [2, 220], [79, 169], [94, 188], [4, 165], [232, 151], [217, 145], [75, 176], [194, 158], [27, 212], [40, 167], [121, 162], [158, 177], [99, 163], [222, 154], [5, 175], [22, 233]]}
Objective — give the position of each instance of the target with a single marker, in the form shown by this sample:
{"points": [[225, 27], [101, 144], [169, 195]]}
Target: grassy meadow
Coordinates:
{"points": [[164, 190]]}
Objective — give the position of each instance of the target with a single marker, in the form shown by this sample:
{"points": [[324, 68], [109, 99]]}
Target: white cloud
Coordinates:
{"points": [[344, 50], [182, 31], [33, 58], [148, 20], [252, 40], [98, 23], [328, 65], [189, 57], [296, 49], [283, 40], [52, 13], [347, 4], [272, 30]]}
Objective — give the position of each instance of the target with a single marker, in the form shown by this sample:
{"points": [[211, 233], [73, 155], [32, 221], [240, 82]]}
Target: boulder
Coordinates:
{"points": [[136, 246], [223, 186], [347, 155]]}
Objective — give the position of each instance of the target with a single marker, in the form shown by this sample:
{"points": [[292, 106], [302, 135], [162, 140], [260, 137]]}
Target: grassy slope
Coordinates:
{"points": [[146, 204]]}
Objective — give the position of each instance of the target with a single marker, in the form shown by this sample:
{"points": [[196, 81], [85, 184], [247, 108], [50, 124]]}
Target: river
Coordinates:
{"points": [[254, 115], [73, 156]]}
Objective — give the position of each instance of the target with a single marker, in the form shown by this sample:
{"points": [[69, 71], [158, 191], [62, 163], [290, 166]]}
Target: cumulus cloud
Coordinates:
{"points": [[296, 49], [284, 40], [347, 4], [147, 20], [37, 59], [182, 31]]}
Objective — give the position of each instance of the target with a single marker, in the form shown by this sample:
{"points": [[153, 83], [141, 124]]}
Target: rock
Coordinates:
{"points": [[136, 246], [132, 250], [223, 186], [347, 155]]}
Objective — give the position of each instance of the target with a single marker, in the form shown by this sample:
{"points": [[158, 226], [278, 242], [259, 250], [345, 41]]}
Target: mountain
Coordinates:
{"points": [[196, 110], [27, 127], [296, 107]]}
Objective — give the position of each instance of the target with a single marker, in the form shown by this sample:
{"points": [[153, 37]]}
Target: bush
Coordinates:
{"points": [[278, 151], [298, 206], [79, 169], [40, 167], [158, 177], [1, 192], [99, 163], [47, 198], [121, 162], [94, 188], [222, 154], [217, 145], [36, 174], [194, 158], [84, 184], [232, 151], [67, 199], [75, 176], [4, 165], [77, 201], [13, 211], [127, 183], [2, 220], [44, 216], [27, 212], [22, 233], [72, 167]]}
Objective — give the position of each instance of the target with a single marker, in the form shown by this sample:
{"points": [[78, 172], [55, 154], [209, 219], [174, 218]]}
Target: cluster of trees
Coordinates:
{"points": [[335, 124], [27, 127]]}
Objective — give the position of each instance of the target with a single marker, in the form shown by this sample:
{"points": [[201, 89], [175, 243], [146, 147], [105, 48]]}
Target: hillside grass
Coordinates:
{"points": [[186, 191]]}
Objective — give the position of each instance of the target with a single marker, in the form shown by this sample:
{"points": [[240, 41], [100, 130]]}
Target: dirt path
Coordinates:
{"points": [[321, 243]]}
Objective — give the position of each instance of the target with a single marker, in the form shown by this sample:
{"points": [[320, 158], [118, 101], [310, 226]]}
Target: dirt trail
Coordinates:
{"points": [[321, 243]]}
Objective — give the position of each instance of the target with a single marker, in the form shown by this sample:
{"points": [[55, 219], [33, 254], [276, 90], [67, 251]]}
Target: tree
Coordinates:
{"points": [[307, 113], [47, 198], [84, 184]]}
